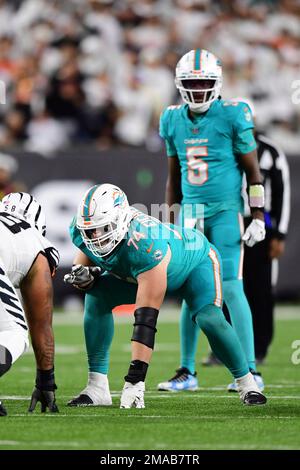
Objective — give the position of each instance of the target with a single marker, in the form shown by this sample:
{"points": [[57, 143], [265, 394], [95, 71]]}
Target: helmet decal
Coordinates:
{"points": [[197, 60], [118, 198], [87, 204]]}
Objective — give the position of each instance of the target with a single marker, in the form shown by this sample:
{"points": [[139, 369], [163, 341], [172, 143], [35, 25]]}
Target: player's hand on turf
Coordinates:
{"points": [[82, 277], [255, 233], [133, 395], [46, 398]]}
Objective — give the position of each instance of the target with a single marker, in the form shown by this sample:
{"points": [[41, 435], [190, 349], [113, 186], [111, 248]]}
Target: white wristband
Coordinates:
{"points": [[256, 195]]}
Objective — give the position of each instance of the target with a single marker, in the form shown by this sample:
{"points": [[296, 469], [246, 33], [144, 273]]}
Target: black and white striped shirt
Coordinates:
{"points": [[276, 179]]}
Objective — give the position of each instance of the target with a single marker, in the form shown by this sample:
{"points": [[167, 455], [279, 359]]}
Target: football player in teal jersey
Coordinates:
{"points": [[210, 144], [140, 259]]}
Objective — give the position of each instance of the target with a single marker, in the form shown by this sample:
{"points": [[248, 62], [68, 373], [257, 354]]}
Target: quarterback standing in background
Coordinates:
{"points": [[210, 144], [140, 259], [27, 261]]}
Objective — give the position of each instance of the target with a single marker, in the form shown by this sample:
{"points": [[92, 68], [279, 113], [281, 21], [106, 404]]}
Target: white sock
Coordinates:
{"points": [[246, 384], [97, 380], [98, 389]]}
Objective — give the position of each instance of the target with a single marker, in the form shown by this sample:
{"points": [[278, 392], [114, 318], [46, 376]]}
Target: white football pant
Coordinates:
{"points": [[13, 327]]}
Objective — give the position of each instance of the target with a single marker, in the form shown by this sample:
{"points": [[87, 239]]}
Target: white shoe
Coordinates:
{"points": [[96, 393], [133, 395], [182, 380], [258, 379], [249, 391]]}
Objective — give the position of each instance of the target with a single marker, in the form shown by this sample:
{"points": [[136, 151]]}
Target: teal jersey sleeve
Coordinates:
{"points": [[147, 245], [243, 141], [163, 132]]}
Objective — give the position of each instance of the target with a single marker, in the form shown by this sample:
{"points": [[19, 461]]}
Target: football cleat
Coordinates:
{"points": [[81, 400], [93, 396], [182, 380], [254, 398], [258, 379], [249, 391], [85, 400], [3, 411]]}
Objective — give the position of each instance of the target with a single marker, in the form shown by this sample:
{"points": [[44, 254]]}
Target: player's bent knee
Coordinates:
{"points": [[15, 341], [145, 326], [5, 360]]}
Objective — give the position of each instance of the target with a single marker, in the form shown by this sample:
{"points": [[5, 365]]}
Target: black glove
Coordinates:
{"points": [[46, 398], [44, 391]]}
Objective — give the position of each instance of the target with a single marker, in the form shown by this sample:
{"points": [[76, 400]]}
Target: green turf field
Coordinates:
{"points": [[208, 419]]}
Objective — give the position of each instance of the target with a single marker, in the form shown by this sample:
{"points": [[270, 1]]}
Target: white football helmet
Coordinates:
{"points": [[199, 79], [25, 207], [103, 218]]}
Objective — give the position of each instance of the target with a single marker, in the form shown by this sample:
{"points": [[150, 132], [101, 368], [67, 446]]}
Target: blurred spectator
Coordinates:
{"points": [[65, 98], [46, 135], [8, 167], [73, 58], [135, 112], [12, 131]]}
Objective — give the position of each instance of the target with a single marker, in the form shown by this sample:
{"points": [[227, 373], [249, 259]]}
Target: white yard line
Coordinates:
{"points": [[63, 349], [159, 446], [9, 443], [143, 416], [159, 395]]}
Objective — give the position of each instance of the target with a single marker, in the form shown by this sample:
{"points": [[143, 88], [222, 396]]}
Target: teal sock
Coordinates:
{"points": [[189, 334], [241, 317], [222, 339], [98, 331]]}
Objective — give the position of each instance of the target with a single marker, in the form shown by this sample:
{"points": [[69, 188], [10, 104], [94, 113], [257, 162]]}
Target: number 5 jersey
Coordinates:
{"points": [[207, 146]]}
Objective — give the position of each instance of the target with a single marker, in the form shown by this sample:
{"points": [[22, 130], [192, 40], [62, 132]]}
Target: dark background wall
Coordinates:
{"points": [[59, 183]]}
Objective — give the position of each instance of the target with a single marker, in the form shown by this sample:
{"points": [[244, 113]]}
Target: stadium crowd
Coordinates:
{"points": [[103, 70]]}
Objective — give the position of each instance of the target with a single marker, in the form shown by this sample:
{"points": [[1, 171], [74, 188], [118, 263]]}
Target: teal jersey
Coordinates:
{"points": [[207, 147], [146, 244]]}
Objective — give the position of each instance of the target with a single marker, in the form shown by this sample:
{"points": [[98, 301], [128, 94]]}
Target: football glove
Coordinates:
{"points": [[82, 277], [255, 233], [133, 395], [44, 391], [47, 399]]}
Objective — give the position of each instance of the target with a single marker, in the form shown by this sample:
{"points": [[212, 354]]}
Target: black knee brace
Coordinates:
{"points": [[5, 360], [145, 326]]}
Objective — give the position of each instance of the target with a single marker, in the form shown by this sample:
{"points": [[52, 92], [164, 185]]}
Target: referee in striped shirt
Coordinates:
{"points": [[261, 261]]}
